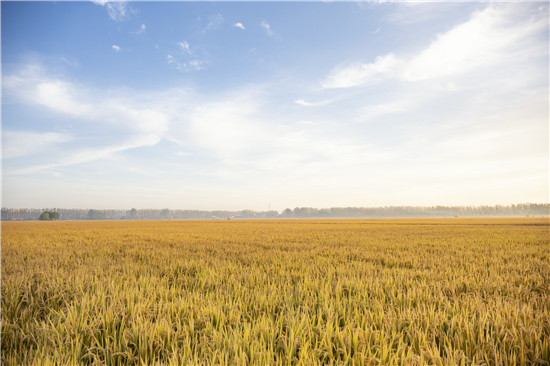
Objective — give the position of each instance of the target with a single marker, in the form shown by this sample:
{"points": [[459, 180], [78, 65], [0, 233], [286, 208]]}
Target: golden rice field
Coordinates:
{"points": [[277, 292]]}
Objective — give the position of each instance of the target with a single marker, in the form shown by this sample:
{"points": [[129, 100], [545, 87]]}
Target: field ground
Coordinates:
{"points": [[277, 292]]}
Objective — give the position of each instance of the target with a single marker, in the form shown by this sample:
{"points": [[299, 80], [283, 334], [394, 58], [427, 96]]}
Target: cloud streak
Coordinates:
{"points": [[184, 47], [214, 22], [490, 35], [231, 128], [115, 9], [140, 125], [302, 102], [26, 143], [267, 27]]}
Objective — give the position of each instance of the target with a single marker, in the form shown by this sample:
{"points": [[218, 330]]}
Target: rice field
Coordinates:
{"points": [[277, 292]]}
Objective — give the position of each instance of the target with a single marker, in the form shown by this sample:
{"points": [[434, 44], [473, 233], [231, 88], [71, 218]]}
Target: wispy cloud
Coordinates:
{"points": [[116, 48], [141, 29], [491, 35], [356, 73], [85, 155], [24, 143], [184, 62], [231, 128], [183, 153], [116, 9], [196, 64], [267, 27], [32, 85], [239, 25], [312, 104], [184, 47], [214, 22], [372, 111]]}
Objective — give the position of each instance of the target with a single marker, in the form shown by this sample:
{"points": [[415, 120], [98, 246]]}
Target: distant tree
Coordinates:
{"points": [[97, 215], [287, 212], [132, 214], [49, 215], [165, 213]]}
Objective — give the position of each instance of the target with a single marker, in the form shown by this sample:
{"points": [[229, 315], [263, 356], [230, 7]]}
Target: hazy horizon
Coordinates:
{"points": [[220, 106], [524, 205]]}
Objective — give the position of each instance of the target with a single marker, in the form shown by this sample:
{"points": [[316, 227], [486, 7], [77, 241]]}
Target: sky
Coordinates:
{"points": [[250, 105]]}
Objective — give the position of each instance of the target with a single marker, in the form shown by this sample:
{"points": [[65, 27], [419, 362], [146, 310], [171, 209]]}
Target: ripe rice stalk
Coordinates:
{"points": [[277, 292]]}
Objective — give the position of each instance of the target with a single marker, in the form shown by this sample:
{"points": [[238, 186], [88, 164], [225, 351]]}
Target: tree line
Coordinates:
{"points": [[522, 209]]}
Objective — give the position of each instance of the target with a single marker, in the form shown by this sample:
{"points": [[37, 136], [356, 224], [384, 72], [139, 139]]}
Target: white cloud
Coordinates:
{"points": [[87, 155], [355, 74], [186, 66], [484, 40], [185, 47], [376, 110], [226, 127], [196, 64], [239, 25], [115, 9], [116, 48], [493, 35], [249, 142], [141, 29], [183, 153], [24, 143], [267, 27], [236, 130], [140, 125], [58, 95], [312, 104]]}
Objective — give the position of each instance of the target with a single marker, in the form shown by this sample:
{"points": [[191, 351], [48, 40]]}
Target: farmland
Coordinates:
{"points": [[277, 292]]}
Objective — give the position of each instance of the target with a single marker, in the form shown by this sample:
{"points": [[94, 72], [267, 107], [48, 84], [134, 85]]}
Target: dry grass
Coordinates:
{"points": [[296, 292]]}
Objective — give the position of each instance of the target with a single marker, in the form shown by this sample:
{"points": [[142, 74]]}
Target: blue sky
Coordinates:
{"points": [[240, 105]]}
